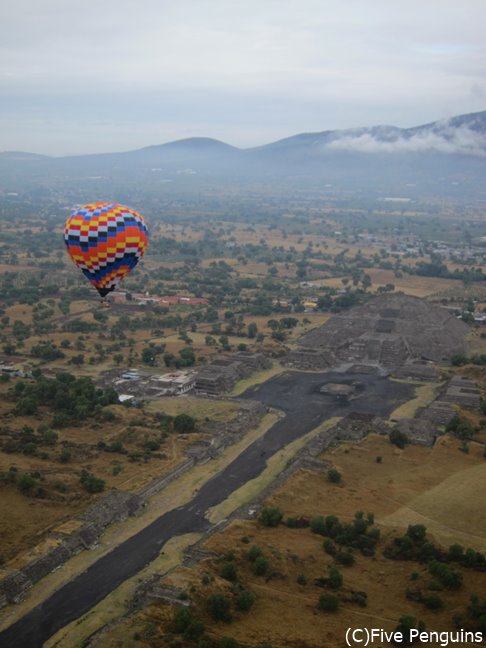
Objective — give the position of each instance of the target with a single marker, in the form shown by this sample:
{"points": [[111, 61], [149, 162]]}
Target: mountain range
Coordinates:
{"points": [[447, 155]]}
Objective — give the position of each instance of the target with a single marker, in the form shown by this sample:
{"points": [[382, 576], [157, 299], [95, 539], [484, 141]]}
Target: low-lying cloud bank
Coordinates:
{"points": [[458, 141]]}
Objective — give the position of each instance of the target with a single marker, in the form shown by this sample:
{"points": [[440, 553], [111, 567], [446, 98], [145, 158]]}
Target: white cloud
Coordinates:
{"points": [[463, 141]]}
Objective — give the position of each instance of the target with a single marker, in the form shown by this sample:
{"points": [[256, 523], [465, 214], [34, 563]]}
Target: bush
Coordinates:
{"points": [[182, 619], [329, 547], [65, 456], [433, 602], [399, 438], [229, 571], [335, 579], [448, 577], [254, 552], [25, 482], [183, 423], [26, 406], [318, 525], [219, 608], [245, 600], [260, 566], [328, 603], [271, 516], [91, 483], [344, 558], [334, 476], [229, 642]]}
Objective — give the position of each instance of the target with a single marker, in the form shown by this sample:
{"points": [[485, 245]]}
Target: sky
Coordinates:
{"points": [[91, 76]]}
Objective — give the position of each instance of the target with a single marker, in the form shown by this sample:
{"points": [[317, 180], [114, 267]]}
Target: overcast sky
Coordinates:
{"points": [[87, 76]]}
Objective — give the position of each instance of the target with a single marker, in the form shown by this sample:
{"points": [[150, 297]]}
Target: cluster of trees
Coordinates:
{"points": [[181, 423], [461, 359], [415, 546], [28, 441], [473, 617], [73, 399], [25, 482], [358, 534]]}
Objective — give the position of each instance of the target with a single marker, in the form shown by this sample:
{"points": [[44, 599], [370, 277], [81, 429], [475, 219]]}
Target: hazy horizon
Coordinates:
{"points": [[98, 77]]}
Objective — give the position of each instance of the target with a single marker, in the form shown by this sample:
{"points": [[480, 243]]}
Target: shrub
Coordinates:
{"points": [[219, 607], [329, 547], [344, 558], [433, 602], [334, 476], [229, 642], [254, 552], [335, 579], [182, 619], [448, 577], [318, 525], [328, 603], [25, 482], [271, 516], [260, 566], [183, 423], [91, 483], [245, 600], [399, 438], [229, 571], [65, 456]]}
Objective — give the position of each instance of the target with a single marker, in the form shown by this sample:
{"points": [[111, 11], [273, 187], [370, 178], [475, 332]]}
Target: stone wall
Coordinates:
{"points": [[111, 507], [117, 505]]}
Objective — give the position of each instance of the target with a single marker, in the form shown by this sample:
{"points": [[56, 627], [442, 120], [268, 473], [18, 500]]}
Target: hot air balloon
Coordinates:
{"points": [[106, 241]]}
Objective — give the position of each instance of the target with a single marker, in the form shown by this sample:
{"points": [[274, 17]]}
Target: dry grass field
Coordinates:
{"points": [[409, 284]]}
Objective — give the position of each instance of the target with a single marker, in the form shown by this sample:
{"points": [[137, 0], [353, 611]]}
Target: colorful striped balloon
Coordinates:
{"points": [[106, 241]]}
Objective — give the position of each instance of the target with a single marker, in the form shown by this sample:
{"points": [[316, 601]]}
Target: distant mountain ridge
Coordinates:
{"points": [[434, 158], [443, 129]]}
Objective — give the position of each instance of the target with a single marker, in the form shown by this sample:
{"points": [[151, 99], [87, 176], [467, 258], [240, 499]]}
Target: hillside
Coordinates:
{"points": [[446, 157]]}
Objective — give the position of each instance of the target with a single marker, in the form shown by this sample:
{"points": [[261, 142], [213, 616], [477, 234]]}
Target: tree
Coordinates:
{"points": [[271, 516], [25, 482], [229, 571], [334, 476], [252, 330], [148, 356], [328, 603], [400, 439], [91, 483], [260, 566], [245, 600], [219, 607], [184, 423], [254, 552], [335, 579]]}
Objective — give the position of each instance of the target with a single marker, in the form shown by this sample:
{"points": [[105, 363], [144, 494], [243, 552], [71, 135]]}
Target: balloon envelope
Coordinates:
{"points": [[106, 241]]}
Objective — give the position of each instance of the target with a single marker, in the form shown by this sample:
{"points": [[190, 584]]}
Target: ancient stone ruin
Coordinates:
{"points": [[388, 331], [226, 369]]}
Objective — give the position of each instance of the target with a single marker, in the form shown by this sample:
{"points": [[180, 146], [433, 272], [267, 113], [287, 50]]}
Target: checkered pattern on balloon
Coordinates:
{"points": [[106, 241]]}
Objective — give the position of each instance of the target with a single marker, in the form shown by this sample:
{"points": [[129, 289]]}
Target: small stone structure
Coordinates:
{"points": [[226, 369], [464, 392], [421, 371], [224, 434]]}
